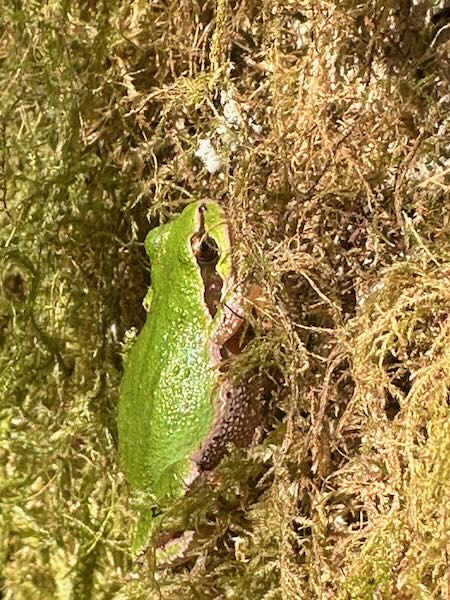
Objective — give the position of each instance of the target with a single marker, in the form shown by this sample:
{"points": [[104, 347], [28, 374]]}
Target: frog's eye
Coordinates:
{"points": [[205, 249]]}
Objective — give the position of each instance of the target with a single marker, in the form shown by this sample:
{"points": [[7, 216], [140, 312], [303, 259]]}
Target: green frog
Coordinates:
{"points": [[178, 410]]}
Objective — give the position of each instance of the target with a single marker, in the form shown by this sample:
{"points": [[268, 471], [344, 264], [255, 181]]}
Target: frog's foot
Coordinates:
{"points": [[175, 547], [172, 548]]}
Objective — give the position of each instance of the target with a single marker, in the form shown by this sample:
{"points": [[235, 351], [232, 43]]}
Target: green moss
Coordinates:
{"points": [[335, 178], [373, 571]]}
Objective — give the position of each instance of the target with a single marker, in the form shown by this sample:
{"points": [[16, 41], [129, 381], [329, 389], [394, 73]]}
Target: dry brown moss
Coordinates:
{"points": [[331, 122]]}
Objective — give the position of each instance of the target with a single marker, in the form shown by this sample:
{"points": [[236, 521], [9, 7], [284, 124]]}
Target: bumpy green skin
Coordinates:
{"points": [[169, 389]]}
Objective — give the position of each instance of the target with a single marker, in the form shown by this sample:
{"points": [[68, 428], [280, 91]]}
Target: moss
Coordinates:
{"points": [[331, 124], [373, 572]]}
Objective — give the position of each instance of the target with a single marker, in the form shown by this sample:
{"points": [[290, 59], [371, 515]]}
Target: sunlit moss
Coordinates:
{"points": [[331, 124]]}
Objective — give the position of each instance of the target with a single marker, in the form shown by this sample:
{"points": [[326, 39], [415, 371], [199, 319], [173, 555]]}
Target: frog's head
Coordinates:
{"points": [[195, 249], [210, 243]]}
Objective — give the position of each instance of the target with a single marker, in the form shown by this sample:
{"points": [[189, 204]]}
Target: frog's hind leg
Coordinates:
{"points": [[240, 415], [239, 405]]}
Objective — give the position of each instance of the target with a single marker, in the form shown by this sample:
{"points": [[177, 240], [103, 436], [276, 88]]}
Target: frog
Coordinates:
{"points": [[179, 411]]}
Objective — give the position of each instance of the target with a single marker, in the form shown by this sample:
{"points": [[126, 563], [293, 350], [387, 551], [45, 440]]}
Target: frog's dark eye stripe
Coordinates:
{"points": [[201, 214], [207, 251]]}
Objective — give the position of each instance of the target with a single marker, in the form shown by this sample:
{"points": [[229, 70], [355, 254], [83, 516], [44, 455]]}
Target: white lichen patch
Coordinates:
{"points": [[208, 155]]}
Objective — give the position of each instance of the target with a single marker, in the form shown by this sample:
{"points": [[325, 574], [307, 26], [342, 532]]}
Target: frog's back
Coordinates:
{"points": [[165, 403]]}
